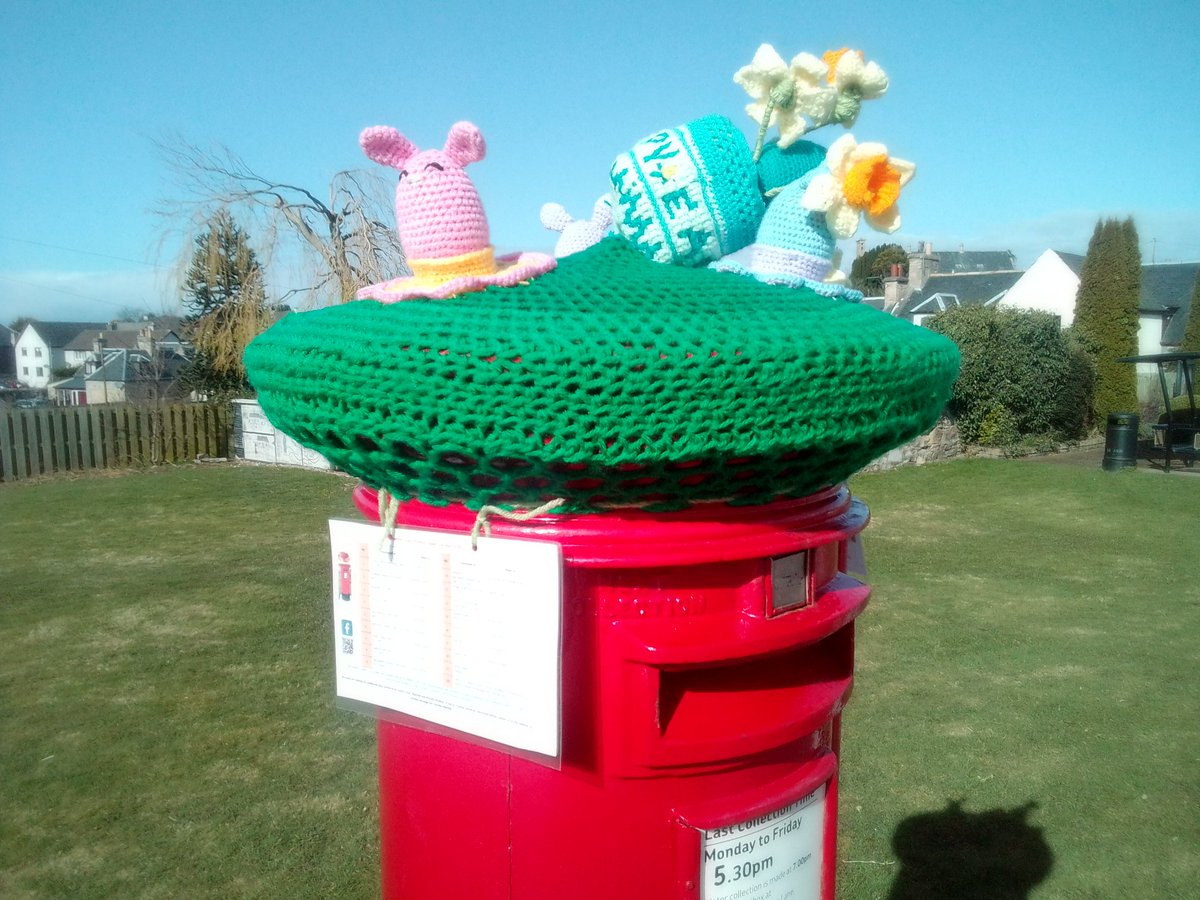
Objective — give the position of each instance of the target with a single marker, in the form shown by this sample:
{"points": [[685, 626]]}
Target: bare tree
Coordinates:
{"points": [[346, 234]]}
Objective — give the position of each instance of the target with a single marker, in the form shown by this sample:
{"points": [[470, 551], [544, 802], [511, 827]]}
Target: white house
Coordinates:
{"points": [[39, 349], [1049, 285]]}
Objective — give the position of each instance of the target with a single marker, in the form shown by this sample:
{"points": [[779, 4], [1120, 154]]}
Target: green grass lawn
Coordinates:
{"points": [[1034, 639], [1024, 723], [168, 727]]}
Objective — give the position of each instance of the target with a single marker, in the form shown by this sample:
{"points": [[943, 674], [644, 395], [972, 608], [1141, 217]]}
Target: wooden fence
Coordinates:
{"points": [[68, 438]]}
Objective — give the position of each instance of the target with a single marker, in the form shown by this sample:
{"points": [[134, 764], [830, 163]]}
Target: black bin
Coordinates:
{"points": [[1120, 441]]}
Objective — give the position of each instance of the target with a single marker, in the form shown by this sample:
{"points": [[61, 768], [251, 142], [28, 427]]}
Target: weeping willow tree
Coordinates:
{"points": [[224, 294], [344, 237]]}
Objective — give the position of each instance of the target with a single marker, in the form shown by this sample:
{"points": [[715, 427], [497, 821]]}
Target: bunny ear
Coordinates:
{"points": [[386, 146], [465, 143], [555, 217], [602, 211]]}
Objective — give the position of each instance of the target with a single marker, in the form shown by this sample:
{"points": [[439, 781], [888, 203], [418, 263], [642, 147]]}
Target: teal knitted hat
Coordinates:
{"points": [[610, 381], [780, 166], [793, 246], [688, 195]]}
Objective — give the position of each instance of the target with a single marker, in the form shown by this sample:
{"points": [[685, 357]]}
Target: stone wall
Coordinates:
{"points": [[943, 442]]}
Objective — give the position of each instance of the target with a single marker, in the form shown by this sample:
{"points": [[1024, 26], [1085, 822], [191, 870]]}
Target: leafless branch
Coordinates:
{"points": [[348, 240]]}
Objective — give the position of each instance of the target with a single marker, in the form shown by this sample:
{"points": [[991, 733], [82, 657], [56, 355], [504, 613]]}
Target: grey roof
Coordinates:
{"points": [[1073, 260], [163, 323], [1168, 288], [134, 365], [74, 383], [113, 340], [953, 261], [974, 289], [59, 334], [121, 339]]}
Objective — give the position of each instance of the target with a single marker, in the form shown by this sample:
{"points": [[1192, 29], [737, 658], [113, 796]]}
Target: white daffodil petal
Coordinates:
{"points": [[842, 220], [767, 70], [816, 103], [874, 81], [849, 69], [756, 111], [868, 150], [906, 169], [821, 193], [813, 68], [752, 82], [887, 221], [767, 59], [792, 127], [838, 155]]}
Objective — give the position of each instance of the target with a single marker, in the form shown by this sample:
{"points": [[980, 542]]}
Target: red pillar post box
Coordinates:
{"points": [[707, 657]]}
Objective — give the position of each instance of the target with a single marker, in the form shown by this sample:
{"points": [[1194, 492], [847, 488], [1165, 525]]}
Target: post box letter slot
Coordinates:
{"points": [[795, 691]]}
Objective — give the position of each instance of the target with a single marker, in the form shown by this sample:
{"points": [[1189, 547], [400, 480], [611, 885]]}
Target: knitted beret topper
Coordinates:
{"points": [[615, 379], [443, 228], [610, 381]]}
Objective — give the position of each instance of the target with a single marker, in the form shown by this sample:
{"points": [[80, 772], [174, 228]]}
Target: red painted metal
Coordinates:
{"points": [[687, 705]]}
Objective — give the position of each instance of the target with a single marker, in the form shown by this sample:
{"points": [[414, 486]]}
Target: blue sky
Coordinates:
{"points": [[1027, 120]]}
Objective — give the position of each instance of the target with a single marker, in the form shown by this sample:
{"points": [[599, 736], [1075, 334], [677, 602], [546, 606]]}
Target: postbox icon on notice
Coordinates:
{"points": [[344, 575]]}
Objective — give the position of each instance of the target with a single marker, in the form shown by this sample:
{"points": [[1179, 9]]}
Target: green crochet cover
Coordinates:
{"points": [[609, 381]]}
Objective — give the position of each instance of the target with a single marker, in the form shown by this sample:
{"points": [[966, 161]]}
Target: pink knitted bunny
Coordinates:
{"points": [[443, 228], [438, 210]]}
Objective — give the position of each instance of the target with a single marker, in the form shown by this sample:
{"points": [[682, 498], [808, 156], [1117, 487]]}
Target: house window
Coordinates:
{"points": [[37, 351], [24, 370], [25, 352], [39, 371]]}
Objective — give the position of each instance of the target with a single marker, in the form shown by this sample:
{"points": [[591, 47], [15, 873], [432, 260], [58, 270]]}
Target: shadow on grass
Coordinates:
{"points": [[957, 855]]}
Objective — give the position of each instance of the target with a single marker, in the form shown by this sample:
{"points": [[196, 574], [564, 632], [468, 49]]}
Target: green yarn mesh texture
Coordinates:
{"points": [[610, 381]]}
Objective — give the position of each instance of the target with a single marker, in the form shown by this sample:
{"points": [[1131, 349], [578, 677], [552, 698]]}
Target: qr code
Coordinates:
{"points": [[347, 645]]}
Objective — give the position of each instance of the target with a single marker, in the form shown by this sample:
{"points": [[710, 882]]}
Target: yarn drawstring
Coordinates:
{"points": [[389, 506], [512, 515]]}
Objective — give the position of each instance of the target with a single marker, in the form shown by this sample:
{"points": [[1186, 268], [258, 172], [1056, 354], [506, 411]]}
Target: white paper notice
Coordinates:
{"points": [[773, 857], [468, 639]]}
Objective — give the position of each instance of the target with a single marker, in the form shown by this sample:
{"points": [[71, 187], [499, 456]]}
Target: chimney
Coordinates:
{"points": [[921, 265], [98, 344], [894, 289]]}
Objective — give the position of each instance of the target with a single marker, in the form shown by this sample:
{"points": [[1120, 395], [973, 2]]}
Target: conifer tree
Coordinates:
{"points": [[1106, 313], [224, 294], [1191, 333], [869, 270]]}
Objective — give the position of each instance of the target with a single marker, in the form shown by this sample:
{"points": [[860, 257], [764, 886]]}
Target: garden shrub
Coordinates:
{"points": [[1021, 375], [999, 427]]}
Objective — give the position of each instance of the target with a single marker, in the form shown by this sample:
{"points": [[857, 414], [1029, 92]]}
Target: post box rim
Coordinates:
{"points": [[636, 538]]}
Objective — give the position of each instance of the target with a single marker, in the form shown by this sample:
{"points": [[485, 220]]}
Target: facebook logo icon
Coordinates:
{"points": [[347, 627]]}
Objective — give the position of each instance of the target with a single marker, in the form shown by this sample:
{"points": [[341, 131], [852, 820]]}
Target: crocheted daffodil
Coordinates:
{"points": [[785, 95], [856, 80], [862, 180]]}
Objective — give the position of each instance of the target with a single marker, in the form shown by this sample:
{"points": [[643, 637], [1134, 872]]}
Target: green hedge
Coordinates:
{"points": [[1021, 375]]}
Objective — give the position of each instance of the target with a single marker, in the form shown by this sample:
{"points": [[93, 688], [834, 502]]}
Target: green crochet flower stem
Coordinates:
{"points": [[782, 95]]}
